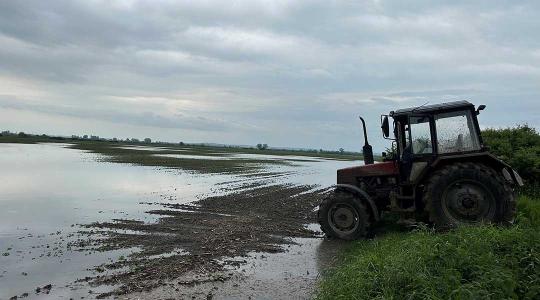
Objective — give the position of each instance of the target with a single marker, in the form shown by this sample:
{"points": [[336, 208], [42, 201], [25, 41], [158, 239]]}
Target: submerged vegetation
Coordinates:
{"points": [[196, 159], [471, 262], [217, 159]]}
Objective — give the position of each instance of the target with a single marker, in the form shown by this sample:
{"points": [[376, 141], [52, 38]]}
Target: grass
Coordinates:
{"points": [[481, 262]]}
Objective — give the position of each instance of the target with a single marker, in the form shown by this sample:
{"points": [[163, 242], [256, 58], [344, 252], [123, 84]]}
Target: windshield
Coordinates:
{"points": [[456, 132]]}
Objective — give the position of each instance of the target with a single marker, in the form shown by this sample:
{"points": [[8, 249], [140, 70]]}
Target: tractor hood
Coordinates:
{"points": [[350, 175]]}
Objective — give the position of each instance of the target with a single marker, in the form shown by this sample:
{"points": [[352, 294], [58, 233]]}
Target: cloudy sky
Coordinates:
{"points": [[286, 73]]}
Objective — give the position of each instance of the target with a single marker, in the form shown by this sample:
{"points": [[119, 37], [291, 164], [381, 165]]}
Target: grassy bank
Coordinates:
{"points": [[483, 262]]}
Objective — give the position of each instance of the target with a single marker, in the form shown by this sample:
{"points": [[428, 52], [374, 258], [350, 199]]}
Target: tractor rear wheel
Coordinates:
{"points": [[343, 216], [468, 193]]}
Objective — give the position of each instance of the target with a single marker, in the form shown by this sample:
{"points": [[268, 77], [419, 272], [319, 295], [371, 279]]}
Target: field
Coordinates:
{"points": [[105, 147], [224, 222], [192, 223]]}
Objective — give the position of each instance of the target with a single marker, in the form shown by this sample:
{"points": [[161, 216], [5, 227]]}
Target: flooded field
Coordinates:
{"points": [[157, 222]]}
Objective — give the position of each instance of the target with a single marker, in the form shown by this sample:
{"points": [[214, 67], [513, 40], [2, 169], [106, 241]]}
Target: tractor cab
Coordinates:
{"points": [[425, 133], [421, 135], [439, 168]]}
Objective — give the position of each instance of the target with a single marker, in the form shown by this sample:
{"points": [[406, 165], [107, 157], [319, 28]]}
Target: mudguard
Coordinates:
{"points": [[361, 195]]}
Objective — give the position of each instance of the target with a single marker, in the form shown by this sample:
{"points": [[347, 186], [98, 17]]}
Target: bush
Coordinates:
{"points": [[519, 147]]}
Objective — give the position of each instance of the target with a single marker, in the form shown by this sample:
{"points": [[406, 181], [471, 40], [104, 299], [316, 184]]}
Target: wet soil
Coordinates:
{"points": [[203, 240]]}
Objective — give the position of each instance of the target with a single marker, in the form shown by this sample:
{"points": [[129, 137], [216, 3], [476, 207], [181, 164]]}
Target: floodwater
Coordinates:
{"points": [[46, 189]]}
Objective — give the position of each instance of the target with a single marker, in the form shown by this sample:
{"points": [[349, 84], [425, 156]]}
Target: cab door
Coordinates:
{"points": [[419, 149]]}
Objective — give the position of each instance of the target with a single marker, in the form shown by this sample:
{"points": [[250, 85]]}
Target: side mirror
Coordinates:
{"points": [[385, 127], [480, 108]]}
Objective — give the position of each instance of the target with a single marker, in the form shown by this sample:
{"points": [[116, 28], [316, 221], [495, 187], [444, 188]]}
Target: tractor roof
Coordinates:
{"points": [[432, 109]]}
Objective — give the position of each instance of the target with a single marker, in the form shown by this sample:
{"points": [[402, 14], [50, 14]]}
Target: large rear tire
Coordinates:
{"points": [[468, 193], [343, 216]]}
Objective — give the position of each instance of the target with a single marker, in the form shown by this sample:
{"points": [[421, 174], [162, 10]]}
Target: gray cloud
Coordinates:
{"points": [[142, 118], [257, 69]]}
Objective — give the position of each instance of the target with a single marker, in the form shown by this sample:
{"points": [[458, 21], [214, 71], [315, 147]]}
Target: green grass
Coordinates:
{"points": [[481, 262]]}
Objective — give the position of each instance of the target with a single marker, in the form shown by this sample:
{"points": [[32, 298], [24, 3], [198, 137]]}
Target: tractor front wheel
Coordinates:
{"points": [[343, 216]]}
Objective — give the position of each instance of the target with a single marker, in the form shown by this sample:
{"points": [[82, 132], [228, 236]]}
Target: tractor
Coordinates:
{"points": [[438, 172]]}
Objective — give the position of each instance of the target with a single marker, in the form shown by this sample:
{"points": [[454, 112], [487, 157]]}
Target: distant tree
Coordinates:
{"points": [[22, 134], [85, 136], [259, 146], [181, 143], [265, 146], [341, 150], [134, 140], [148, 140]]}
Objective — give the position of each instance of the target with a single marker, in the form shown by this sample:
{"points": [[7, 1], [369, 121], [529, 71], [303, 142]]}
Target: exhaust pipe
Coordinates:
{"points": [[367, 150]]}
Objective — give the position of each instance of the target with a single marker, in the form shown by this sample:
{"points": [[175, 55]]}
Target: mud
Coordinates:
{"points": [[292, 274], [202, 241]]}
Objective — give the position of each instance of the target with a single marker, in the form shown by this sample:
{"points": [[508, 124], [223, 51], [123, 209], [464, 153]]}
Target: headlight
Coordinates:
{"points": [[518, 178]]}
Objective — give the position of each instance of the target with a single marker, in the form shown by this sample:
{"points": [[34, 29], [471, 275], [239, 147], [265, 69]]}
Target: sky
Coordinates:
{"points": [[285, 73]]}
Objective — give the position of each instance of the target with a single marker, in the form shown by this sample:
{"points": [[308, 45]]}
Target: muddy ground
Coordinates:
{"points": [[203, 240]]}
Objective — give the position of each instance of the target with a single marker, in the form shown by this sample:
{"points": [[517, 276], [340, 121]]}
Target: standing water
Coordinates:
{"points": [[47, 189]]}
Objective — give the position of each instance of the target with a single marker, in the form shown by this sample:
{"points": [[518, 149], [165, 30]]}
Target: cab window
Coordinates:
{"points": [[456, 132]]}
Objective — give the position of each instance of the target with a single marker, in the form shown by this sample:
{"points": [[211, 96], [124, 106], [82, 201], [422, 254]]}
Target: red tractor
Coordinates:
{"points": [[440, 172]]}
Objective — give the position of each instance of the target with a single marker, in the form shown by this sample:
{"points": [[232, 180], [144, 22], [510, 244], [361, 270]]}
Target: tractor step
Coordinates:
{"points": [[400, 203], [404, 210]]}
